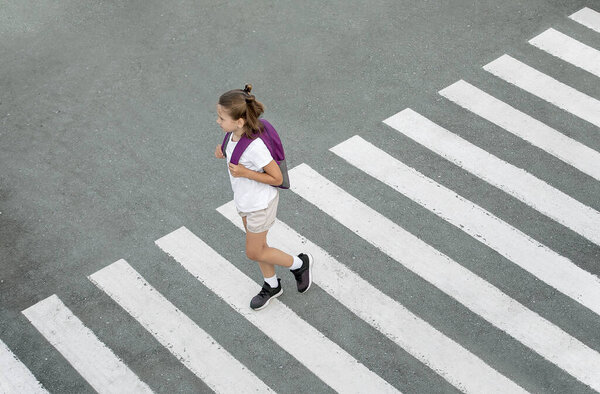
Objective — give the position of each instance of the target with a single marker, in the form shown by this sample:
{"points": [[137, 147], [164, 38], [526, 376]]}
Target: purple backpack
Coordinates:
{"points": [[273, 143]]}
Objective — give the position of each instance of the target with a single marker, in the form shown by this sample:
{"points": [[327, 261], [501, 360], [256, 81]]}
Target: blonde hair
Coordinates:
{"points": [[239, 103]]}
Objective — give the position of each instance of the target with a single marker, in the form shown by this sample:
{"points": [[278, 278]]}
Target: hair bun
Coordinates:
{"points": [[248, 88]]}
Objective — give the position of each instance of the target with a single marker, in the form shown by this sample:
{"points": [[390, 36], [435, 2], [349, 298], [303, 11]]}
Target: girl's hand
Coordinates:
{"points": [[219, 152], [238, 170]]}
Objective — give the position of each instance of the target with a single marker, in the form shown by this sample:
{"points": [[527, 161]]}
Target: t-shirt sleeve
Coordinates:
{"points": [[259, 154]]}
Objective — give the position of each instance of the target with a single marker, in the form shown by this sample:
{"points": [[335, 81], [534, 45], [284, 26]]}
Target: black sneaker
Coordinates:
{"points": [[304, 274], [262, 299]]}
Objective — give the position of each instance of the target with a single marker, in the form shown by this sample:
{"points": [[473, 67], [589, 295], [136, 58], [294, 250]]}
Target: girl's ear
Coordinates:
{"points": [[240, 123]]}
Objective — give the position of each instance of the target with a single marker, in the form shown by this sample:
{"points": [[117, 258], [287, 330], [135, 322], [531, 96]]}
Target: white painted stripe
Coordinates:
{"points": [[454, 363], [588, 17], [95, 362], [14, 376], [515, 181], [554, 269], [545, 87], [522, 125], [453, 279], [323, 357], [197, 350], [568, 49]]}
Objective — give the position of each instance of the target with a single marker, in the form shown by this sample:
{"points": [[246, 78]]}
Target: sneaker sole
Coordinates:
{"points": [[310, 265], [269, 300]]}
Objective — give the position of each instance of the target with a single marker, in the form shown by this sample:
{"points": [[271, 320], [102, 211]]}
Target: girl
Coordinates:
{"points": [[253, 180]]}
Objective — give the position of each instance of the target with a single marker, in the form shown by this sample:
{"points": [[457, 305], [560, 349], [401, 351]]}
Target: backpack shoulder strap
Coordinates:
{"points": [[239, 149]]}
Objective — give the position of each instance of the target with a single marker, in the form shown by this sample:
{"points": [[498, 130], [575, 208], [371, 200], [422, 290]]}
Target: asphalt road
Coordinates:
{"points": [[107, 133]]}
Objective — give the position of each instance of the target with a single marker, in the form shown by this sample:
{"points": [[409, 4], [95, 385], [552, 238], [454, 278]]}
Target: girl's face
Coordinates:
{"points": [[226, 122]]}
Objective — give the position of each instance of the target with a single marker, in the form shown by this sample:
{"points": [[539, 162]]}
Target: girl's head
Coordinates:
{"points": [[239, 110]]}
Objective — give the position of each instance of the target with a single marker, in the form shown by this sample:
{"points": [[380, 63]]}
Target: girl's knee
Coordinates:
{"points": [[256, 246], [254, 253]]}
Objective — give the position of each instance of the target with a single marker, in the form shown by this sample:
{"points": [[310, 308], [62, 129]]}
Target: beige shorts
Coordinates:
{"points": [[262, 220]]}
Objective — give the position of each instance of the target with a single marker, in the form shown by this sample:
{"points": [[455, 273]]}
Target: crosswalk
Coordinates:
{"points": [[453, 362], [14, 375], [569, 49], [197, 350], [512, 180], [78, 344], [337, 365], [327, 360], [524, 126], [545, 87], [588, 17], [469, 289], [474, 220]]}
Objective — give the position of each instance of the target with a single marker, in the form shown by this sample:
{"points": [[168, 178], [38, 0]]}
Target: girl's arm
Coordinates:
{"points": [[271, 176]]}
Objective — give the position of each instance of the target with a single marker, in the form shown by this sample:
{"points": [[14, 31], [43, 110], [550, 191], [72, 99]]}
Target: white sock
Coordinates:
{"points": [[297, 263], [272, 281]]}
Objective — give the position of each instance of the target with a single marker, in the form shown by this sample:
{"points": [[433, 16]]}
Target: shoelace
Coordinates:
{"points": [[298, 273], [263, 292]]}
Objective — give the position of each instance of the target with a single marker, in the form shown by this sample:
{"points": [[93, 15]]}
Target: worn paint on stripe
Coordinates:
{"points": [[522, 125], [454, 363], [554, 269], [453, 279], [325, 359], [569, 50], [546, 87], [197, 350], [94, 361], [14, 375], [588, 17], [514, 181]]}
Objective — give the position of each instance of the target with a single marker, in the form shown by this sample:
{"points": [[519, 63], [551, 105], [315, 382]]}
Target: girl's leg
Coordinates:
{"points": [[267, 257]]}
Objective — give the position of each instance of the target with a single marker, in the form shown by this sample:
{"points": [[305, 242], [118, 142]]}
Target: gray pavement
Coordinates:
{"points": [[107, 133]]}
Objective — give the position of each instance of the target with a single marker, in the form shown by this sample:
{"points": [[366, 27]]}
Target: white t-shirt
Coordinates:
{"points": [[250, 195]]}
